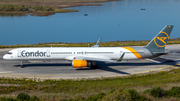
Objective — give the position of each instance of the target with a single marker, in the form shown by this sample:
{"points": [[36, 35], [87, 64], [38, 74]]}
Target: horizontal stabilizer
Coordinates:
{"points": [[160, 53]]}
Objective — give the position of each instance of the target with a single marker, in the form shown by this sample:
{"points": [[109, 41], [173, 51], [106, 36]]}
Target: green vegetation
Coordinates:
{"points": [[103, 44], [136, 97], [13, 8], [41, 8], [21, 97], [174, 91], [156, 92], [35, 10], [159, 92], [135, 87], [96, 97]]}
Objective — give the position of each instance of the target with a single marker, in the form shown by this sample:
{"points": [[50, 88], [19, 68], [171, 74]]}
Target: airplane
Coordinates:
{"points": [[88, 56]]}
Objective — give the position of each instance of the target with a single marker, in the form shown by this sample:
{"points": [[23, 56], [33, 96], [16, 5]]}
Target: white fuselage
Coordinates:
{"points": [[69, 53]]}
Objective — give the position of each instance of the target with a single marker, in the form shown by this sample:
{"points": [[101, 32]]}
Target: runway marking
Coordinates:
{"points": [[6, 72], [152, 59], [153, 70]]}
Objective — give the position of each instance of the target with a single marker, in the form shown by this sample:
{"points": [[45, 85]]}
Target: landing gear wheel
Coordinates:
{"points": [[21, 63], [93, 65], [21, 66]]}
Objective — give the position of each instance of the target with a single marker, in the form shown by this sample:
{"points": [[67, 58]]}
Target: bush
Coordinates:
{"points": [[24, 9], [9, 8], [136, 97], [112, 91], [157, 92], [174, 91], [146, 91], [117, 96], [78, 98], [37, 7], [47, 8], [34, 98], [41, 8], [7, 99], [13, 8], [2, 8], [18, 8], [6, 7], [23, 96], [134, 94], [96, 97]]}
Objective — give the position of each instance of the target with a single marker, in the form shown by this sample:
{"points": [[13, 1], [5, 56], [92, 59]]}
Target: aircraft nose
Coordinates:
{"points": [[5, 57]]}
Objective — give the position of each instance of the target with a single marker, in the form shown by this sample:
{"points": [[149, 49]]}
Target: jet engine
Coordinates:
{"points": [[80, 63]]}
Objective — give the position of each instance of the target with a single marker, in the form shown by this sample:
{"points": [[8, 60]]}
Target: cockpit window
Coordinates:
{"points": [[9, 53]]}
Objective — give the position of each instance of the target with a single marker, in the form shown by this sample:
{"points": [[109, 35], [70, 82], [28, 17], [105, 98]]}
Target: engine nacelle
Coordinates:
{"points": [[80, 63]]}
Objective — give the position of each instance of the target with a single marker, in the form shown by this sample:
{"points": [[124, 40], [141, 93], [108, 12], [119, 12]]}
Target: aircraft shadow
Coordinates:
{"points": [[105, 68], [44, 65], [141, 64], [101, 65]]}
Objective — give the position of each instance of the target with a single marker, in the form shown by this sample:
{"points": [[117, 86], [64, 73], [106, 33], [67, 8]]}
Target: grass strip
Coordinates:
{"points": [[85, 87], [102, 44]]}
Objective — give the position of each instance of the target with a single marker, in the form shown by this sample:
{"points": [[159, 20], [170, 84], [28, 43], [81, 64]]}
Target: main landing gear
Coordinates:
{"points": [[94, 65], [21, 64]]}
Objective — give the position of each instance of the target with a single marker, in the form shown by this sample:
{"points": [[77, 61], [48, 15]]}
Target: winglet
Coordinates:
{"points": [[98, 43], [120, 59]]}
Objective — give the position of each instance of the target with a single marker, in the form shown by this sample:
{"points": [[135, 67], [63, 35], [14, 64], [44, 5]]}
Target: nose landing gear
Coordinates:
{"points": [[21, 64]]}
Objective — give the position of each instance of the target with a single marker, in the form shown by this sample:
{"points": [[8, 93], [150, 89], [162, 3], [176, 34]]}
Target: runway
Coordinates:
{"points": [[57, 69]]}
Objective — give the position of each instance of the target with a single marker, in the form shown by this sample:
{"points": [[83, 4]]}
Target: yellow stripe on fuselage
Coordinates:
{"points": [[134, 52]]}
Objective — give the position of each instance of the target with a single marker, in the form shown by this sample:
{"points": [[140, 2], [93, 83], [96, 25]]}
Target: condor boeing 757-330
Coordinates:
{"points": [[88, 56]]}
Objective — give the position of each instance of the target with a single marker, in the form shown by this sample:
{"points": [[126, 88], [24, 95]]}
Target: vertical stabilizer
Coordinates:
{"points": [[159, 42]]}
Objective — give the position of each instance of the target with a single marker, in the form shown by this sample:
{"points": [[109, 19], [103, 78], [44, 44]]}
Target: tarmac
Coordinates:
{"points": [[62, 69]]}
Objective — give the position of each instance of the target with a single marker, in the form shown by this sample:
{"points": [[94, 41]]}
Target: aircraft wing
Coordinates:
{"points": [[98, 59], [89, 58], [102, 59], [97, 44]]}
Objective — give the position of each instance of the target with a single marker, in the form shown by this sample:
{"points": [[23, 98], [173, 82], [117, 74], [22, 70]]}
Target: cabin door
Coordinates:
{"points": [[48, 53], [19, 53]]}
